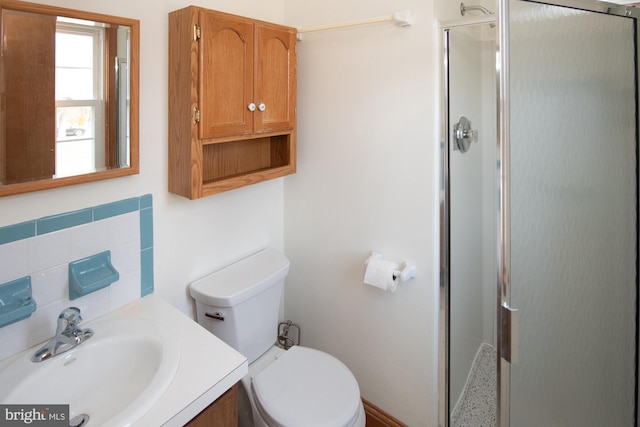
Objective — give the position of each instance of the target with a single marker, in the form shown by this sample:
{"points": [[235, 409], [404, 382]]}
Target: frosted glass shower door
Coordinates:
{"points": [[573, 216]]}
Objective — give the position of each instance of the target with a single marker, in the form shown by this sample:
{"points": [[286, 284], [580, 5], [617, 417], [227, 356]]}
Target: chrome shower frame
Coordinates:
{"points": [[445, 143], [503, 270], [443, 315]]}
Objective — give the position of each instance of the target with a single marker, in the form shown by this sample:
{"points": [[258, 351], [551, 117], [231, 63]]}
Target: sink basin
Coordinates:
{"points": [[114, 378]]}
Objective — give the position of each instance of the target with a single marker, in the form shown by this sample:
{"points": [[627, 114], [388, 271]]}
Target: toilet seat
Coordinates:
{"points": [[307, 387]]}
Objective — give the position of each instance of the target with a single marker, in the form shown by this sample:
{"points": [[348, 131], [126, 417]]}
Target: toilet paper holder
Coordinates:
{"points": [[408, 270]]}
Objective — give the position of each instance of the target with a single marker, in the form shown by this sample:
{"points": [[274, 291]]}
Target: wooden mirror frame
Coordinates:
{"points": [[134, 91]]}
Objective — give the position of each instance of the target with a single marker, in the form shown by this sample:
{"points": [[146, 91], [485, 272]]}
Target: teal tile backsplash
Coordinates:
{"points": [[53, 223], [143, 204], [20, 231], [146, 228], [116, 208], [43, 248]]}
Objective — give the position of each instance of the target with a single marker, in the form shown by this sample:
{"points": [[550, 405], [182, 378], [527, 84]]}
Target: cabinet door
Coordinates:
{"points": [[226, 75], [28, 122], [275, 80]]}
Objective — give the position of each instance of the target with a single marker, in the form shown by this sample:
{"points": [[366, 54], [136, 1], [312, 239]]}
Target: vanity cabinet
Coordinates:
{"points": [[232, 98], [223, 412]]}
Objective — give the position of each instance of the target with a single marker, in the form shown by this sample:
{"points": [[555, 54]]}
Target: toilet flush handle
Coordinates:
{"points": [[217, 315]]}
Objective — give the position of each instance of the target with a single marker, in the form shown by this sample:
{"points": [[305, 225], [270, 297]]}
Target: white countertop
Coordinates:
{"points": [[208, 367]]}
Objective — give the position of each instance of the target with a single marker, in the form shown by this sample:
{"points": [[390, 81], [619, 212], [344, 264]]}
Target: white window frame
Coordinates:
{"points": [[97, 103]]}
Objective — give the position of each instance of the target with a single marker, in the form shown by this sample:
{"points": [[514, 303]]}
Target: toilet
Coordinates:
{"points": [[240, 304]]}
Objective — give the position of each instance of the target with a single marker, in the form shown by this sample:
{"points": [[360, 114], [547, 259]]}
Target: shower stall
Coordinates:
{"points": [[539, 215]]}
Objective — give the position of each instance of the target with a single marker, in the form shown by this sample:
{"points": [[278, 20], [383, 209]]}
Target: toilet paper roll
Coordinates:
{"points": [[379, 273]]}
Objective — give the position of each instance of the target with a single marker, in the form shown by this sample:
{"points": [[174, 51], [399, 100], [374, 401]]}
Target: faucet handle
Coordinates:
{"points": [[69, 318], [71, 314]]}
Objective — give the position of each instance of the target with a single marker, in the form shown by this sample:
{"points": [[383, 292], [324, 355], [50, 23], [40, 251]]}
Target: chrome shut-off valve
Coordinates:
{"points": [[284, 340]]}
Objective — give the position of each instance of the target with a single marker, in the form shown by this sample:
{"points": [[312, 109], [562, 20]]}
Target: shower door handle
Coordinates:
{"points": [[509, 333]]}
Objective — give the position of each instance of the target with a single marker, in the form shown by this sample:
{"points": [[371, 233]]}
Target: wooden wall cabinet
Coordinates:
{"points": [[232, 98]]}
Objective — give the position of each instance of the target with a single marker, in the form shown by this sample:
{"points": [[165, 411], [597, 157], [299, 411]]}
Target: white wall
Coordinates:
{"points": [[191, 238], [367, 180]]}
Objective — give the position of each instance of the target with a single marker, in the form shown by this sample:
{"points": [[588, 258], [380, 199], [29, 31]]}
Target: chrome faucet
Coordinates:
{"points": [[67, 336]]}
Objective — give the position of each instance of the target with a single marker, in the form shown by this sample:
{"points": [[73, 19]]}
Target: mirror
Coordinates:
{"points": [[68, 97]]}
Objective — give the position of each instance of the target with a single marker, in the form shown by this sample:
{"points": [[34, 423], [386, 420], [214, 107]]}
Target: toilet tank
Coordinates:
{"points": [[240, 303]]}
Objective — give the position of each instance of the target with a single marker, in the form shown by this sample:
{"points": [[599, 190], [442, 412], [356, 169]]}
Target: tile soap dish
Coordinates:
{"points": [[91, 274], [16, 302]]}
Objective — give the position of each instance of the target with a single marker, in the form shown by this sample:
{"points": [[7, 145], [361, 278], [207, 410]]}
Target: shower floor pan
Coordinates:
{"points": [[477, 405]]}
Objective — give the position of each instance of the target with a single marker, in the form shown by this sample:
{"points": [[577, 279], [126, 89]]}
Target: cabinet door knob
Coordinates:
{"points": [[262, 107], [251, 107]]}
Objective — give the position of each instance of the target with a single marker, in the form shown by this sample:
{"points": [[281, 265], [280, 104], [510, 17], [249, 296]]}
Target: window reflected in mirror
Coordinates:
{"points": [[79, 99], [68, 88]]}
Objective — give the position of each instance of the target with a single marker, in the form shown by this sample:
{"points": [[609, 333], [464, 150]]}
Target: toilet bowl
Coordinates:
{"points": [[240, 304], [302, 387]]}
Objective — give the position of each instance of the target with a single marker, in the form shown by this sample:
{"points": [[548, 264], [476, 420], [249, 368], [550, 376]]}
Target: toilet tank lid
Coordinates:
{"points": [[241, 280]]}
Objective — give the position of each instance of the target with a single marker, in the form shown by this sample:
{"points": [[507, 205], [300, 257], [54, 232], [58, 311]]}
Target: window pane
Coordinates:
{"points": [[68, 49], [75, 122], [74, 71], [74, 83], [74, 158], [75, 152]]}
